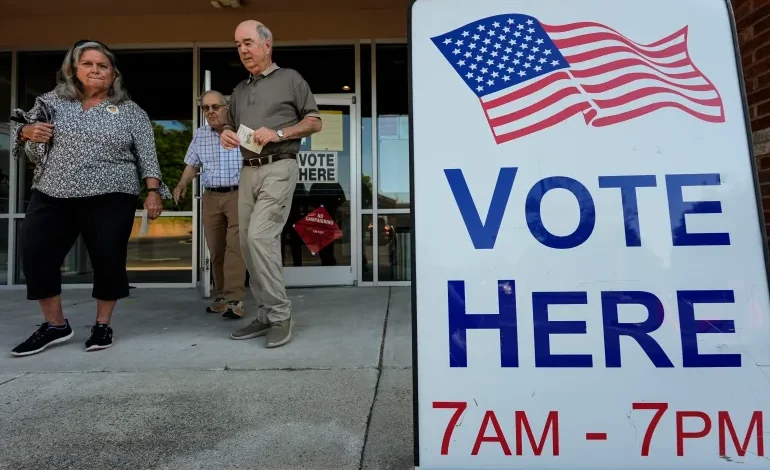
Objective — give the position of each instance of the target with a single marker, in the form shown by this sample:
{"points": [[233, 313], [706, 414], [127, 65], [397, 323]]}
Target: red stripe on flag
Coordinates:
{"points": [[632, 77], [534, 108], [635, 113], [545, 123], [525, 91], [590, 38], [649, 91], [626, 63], [596, 53], [587, 24]]}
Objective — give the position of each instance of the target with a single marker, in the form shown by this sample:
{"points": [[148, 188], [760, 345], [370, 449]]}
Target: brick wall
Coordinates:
{"points": [[752, 19]]}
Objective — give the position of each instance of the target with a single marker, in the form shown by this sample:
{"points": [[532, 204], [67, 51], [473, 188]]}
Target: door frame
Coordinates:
{"points": [[303, 276], [203, 258], [202, 254], [312, 276]]}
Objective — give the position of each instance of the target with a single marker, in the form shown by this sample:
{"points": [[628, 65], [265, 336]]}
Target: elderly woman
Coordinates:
{"points": [[91, 145]]}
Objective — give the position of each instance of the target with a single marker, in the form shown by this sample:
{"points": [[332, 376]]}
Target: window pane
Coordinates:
{"points": [[36, 75], [169, 105], [5, 130], [392, 127], [367, 249], [5, 86], [224, 67], [3, 251], [163, 254], [366, 126], [394, 245], [327, 69]]}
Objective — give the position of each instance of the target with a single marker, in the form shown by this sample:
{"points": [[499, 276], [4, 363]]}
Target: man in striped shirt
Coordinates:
{"points": [[220, 176]]}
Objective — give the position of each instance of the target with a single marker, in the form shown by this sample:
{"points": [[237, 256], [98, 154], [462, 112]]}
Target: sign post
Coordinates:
{"points": [[590, 284]]}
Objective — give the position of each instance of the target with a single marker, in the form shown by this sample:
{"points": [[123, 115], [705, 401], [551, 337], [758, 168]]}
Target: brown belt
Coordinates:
{"points": [[223, 189], [265, 159]]}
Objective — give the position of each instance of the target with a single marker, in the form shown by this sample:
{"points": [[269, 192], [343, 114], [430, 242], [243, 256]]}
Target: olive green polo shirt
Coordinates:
{"points": [[276, 98]]}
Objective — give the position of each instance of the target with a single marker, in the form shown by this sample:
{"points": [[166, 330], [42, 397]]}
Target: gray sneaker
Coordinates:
{"points": [[280, 333], [252, 330]]}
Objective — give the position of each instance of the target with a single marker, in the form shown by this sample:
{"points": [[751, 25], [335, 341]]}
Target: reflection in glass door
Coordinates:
{"points": [[318, 241]]}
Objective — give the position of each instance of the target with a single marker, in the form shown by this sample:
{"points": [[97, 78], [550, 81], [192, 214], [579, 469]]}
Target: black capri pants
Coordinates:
{"points": [[52, 225]]}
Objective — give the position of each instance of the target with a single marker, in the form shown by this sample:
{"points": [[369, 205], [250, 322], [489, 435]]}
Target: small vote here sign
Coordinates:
{"points": [[590, 285], [317, 167]]}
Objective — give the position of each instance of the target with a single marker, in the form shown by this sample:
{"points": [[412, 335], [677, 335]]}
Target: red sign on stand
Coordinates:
{"points": [[318, 229]]}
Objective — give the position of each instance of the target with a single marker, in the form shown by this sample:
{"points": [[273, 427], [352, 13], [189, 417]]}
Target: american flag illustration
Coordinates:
{"points": [[530, 76]]}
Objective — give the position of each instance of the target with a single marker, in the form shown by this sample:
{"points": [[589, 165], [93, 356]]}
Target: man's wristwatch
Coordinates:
{"points": [[280, 134]]}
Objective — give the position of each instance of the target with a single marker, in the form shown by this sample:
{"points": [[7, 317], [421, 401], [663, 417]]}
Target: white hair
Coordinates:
{"points": [[68, 85], [214, 92], [264, 32]]}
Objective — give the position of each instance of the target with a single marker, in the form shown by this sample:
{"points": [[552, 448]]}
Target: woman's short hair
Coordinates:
{"points": [[69, 87]]}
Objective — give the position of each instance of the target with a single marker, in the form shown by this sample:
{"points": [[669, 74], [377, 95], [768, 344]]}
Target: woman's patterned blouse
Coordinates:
{"points": [[107, 148]]}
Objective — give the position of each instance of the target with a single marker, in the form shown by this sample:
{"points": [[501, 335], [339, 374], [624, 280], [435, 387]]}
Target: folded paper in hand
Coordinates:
{"points": [[144, 225], [246, 136]]}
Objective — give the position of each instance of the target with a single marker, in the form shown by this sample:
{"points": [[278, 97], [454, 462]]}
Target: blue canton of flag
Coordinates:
{"points": [[501, 51]]}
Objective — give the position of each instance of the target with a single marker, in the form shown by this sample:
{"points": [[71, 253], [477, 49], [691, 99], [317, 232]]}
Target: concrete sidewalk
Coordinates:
{"points": [[174, 392]]}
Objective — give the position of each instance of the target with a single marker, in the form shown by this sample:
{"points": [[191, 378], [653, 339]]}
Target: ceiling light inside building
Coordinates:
{"points": [[346, 88], [226, 3]]}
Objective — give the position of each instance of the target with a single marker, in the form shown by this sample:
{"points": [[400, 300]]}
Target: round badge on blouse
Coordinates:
{"points": [[112, 109]]}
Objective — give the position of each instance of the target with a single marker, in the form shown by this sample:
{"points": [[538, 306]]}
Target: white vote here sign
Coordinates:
{"points": [[590, 289], [317, 167]]}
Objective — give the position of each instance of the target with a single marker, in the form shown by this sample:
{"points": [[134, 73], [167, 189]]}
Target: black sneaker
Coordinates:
{"points": [[234, 310], [101, 337], [44, 336]]}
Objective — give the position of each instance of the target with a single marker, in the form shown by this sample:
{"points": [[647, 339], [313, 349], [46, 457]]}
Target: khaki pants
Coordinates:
{"points": [[264, 200], [220, 220]]}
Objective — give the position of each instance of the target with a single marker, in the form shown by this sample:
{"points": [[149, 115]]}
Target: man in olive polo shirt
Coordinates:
{"points": [[278, 105]]}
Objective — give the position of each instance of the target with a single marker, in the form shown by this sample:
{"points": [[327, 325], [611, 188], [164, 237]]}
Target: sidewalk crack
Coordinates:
{"points": [[12, 379], [377, 382]]}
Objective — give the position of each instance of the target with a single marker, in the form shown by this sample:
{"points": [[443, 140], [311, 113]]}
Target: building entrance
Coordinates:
{"points": [[318, 241]]}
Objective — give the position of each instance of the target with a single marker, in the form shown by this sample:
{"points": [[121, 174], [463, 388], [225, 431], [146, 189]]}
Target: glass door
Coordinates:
{"points": [[319, 239]]}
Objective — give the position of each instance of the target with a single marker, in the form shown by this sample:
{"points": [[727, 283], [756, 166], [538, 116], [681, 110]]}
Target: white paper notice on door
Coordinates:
{"points": [[246, 136], [331, 135]]}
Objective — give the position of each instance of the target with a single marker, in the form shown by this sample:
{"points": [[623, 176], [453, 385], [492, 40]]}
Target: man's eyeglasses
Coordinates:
{"points": [[212, 107]]}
